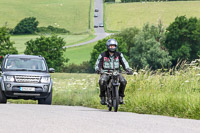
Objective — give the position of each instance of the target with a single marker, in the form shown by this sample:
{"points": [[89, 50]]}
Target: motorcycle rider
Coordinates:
{"points": [[109, 61]]}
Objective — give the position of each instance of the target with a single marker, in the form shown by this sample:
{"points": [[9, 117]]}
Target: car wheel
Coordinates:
{"points": [[3, 98], [47, 100]]}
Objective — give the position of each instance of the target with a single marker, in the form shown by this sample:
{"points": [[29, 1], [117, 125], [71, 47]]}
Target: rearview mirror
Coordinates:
{"points": [[51, 70]]}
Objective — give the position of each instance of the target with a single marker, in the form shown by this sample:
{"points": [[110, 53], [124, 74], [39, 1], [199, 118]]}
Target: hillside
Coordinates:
{"points": [[123, 15], [70, 14]]}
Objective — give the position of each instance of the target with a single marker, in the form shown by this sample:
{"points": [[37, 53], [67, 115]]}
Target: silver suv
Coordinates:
{"points": [[25, 77]]}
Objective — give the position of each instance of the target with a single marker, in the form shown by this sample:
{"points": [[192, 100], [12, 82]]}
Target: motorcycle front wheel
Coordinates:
{"points": [[109, 108], [116, 99]]}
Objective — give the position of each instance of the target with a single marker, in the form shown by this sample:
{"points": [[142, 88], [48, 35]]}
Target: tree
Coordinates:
{"points": [[183, 39], [148, 50], [128, 36], [26, 26], [6, 46], [101, 47], [51, 48]]}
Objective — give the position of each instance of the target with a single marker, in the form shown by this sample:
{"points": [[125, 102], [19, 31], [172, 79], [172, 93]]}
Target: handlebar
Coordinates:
{"points": [[110, 73]]}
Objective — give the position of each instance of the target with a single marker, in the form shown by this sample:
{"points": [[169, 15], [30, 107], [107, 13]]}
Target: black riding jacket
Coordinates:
{"points": [[106, 62]]}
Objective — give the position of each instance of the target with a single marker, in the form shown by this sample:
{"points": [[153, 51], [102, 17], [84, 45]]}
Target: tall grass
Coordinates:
{"points": [[147, 92], [172, 95], [176, 95]]}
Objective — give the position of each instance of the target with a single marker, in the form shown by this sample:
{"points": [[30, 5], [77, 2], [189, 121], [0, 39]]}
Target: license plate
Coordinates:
{"points": [[27, 88]]}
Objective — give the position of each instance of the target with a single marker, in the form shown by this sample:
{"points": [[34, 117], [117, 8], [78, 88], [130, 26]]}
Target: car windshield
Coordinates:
{"points": [[25, 64]]}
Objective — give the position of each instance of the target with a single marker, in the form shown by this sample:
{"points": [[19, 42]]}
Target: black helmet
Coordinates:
{"points": [[111, 42]]}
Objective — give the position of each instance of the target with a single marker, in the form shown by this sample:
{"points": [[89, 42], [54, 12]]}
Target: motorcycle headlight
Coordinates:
{"points": [[45, 80], [9, 78]]}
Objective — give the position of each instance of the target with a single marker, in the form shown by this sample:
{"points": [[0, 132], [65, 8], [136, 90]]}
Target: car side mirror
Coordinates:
{"points": [[51, 70]]}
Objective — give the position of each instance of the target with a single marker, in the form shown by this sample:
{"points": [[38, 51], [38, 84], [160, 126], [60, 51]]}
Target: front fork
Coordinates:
{"points": [[111, 93], [109, 97]]}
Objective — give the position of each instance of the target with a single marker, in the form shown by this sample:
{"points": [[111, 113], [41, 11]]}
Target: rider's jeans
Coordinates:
{"points": [[104, 78]]}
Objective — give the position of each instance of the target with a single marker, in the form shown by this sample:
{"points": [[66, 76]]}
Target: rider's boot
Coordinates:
{"points": [[103, 100], [121, 100]]}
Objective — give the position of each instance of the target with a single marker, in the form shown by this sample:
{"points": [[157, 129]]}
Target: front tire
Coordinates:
{"points": [[116, 99], [47, 100], [109, 108], [3, 99]]}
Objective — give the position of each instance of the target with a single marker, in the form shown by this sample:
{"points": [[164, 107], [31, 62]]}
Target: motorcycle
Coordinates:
{"points": [[112, 91]]}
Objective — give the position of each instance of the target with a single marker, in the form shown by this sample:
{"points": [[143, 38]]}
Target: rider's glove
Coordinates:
{"points": [[129, 71], [97, 71]]}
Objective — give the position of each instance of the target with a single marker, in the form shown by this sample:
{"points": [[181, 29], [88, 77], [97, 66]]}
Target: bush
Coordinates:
{"points": [[148, 50], [51, 29], [109, 0], [51, 48], [26, 26], [84, 67], [126, 1], [6, 46]]}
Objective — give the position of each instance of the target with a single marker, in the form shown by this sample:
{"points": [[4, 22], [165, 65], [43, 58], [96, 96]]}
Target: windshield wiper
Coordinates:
{"points": [[20, 69]]}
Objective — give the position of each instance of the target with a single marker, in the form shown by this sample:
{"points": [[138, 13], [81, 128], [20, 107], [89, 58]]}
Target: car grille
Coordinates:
{"points": [[27, 79]]}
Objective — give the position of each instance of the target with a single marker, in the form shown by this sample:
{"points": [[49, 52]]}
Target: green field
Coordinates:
{"points": [[79, 54], [122, 15], [20, 40], [72, 15], [76, 54]]}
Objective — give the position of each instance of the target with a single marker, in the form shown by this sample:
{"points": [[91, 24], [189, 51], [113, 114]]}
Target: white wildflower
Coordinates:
{"points": [[187, 81], [135, 73]]}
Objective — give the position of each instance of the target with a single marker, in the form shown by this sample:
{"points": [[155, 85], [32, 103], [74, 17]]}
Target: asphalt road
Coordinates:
{"points": [[99, 32], [30, 118]]}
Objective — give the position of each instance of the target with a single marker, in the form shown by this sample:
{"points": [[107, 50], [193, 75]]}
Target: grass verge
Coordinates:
{"points": [[146, 93]]}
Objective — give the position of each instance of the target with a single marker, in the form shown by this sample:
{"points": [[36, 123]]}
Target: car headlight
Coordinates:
{"points": [[9, 78], [45, 80]]}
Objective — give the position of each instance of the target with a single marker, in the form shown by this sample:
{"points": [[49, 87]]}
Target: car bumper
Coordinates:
{"points": [[13, 90]]}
